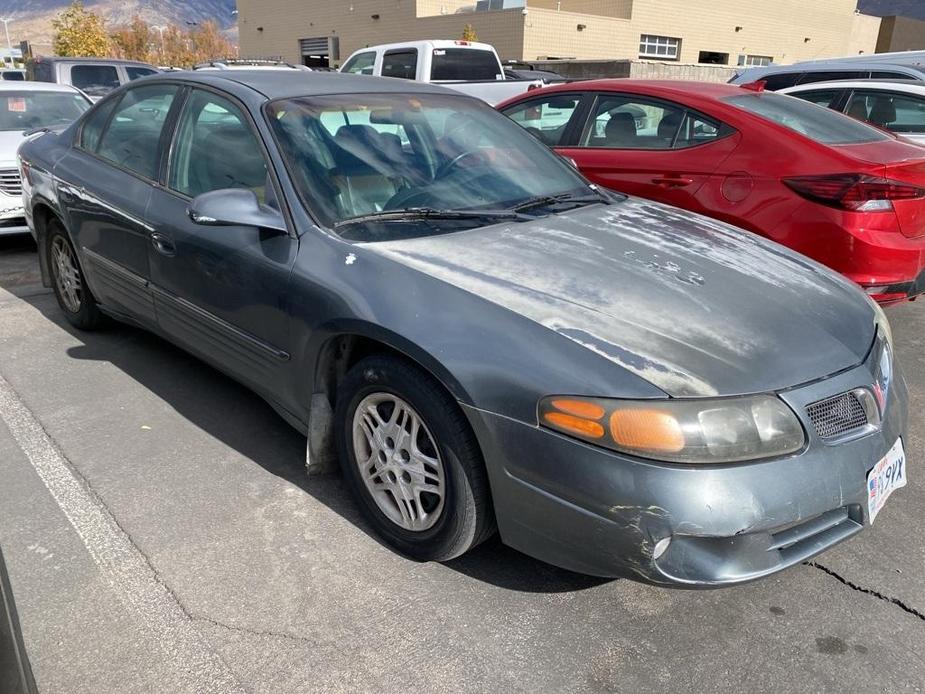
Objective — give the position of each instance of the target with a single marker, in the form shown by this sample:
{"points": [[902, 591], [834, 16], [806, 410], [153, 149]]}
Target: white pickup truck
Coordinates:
{"points": [[473, 68]]}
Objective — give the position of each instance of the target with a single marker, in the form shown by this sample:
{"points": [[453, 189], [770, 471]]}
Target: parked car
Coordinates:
{"points": [[466, 66], [518, 70], [13, 75], [844, 193], [621, 387], [782, 76], [95, 77], [894, 105], [24, 107]]}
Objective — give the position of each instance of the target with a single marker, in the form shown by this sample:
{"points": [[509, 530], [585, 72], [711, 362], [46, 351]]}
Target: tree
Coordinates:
{"points": [[80, 32], [469, 33], [137, 41], [208, 42]]}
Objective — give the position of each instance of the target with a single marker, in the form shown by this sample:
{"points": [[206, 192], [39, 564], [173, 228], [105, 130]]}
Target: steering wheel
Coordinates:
{"points": [[454, 162]]}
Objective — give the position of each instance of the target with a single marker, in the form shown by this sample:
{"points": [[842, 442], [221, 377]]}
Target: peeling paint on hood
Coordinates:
{"points": [[694, 306]]}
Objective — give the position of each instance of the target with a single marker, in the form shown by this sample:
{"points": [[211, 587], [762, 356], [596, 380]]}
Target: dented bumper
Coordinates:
{"points": [[602, 513]]}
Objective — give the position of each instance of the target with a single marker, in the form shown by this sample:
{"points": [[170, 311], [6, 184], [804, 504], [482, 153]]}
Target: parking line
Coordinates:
{"points": [[120, 562]]}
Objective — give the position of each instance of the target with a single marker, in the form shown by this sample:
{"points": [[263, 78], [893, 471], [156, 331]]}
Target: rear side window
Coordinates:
{"points": [[781, 80], [132, 139], [546, 119], [14, 75], [95, 80], [135, 72], [821, 125], [464, 64], [94, 124], [882, 75], [821, 97], [625, 122], [401, 64], [361, 64]]}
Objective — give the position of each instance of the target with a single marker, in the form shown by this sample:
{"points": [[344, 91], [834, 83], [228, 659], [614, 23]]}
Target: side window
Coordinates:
{"points": [[132, 139], [627, 122], [820, 97], [401, 64], [546, 119], [361, 64], [135, 72], [215, 149], [880, 75], [781, 80], [699, 130], [810, 77], [93, 126], [900, 113], [95, 80]]}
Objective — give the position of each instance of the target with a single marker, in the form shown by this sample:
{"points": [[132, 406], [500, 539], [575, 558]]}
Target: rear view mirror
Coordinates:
{"points": [[235, 207]]}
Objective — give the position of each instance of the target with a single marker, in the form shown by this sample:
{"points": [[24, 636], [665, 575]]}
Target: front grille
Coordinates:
{"points": [[10, 182], [838, 416]]}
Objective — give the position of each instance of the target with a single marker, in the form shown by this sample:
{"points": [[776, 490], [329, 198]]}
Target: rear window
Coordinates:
{"points": [[464, 64], [819, 124]]}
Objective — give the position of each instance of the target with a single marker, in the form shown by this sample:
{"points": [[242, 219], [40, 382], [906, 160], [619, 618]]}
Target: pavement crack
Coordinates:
{"points": [[867, 591], [255, 632]]}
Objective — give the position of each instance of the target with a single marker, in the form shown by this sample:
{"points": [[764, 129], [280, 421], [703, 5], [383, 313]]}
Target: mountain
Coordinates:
{"points": [[887, 8], [31, 19]]}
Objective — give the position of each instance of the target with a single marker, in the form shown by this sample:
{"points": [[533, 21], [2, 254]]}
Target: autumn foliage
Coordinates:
{"points": [[82, 32]]}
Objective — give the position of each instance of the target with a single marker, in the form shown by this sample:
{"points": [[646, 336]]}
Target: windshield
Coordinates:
{"points": [[28, 110], [464, 64], [815, 122], [366, 155]]}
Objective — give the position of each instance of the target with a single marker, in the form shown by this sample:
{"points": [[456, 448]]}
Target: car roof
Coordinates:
{"points": [[686, 89], [834, 66], [107, 61], [23, 86], [911, 86], [429, 43], [282, 84]]}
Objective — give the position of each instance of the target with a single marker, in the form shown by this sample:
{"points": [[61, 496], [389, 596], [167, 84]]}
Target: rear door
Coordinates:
{"points": [[105, 183], [652, 148], [220, 291]]}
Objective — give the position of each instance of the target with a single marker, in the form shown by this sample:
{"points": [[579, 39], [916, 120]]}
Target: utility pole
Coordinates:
{"points": [[6, 27]]}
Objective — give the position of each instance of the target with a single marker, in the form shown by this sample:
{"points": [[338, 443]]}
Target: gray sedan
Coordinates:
{"points": [[482, 339]]}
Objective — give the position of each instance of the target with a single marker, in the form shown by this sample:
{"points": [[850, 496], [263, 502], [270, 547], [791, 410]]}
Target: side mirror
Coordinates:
{"points": [[235, 207]]}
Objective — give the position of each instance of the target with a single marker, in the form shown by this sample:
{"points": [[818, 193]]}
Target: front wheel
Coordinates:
{"points": [[412, 460], [71, 290]]}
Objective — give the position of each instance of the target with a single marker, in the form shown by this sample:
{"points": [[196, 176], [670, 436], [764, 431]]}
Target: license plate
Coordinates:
{"points": [[888, 475]]}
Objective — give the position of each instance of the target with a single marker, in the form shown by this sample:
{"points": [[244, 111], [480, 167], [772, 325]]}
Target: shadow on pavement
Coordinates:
{"points": [[19, 266], [15, 672], [243, 421]]}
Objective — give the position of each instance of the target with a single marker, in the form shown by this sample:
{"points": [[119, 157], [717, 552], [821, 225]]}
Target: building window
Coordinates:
{"points": [[713, 58], [663, 47], [755, 60]]}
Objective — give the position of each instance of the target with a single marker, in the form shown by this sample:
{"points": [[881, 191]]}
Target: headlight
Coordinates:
{"points": [[882, 322], [721, 430]]}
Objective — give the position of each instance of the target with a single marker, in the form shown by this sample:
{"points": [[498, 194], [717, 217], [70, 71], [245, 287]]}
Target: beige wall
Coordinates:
{"points": [[775, 28], [901, 34]]}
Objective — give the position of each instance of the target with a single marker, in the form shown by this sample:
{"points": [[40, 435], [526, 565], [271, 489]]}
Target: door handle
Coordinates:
{"points": [[163, 245], [672, 181]]}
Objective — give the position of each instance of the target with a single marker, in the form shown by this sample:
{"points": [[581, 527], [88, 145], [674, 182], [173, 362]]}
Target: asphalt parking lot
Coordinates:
{"points": [[160, 535]]}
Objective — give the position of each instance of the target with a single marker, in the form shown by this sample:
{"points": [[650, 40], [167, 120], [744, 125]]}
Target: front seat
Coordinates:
{"points": [[620, 130], [883, 112], [858, 108]]}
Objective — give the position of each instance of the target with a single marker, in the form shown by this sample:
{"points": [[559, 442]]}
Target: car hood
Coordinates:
{"points": [[692, 305], [9, 143]]}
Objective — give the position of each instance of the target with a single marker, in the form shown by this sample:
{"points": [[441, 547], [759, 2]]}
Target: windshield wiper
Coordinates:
{"points": [[416, 213], [565, 198]]}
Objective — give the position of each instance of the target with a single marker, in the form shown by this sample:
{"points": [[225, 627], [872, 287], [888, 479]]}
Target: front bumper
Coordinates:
{"points": [[12, 215], [598, 512]]}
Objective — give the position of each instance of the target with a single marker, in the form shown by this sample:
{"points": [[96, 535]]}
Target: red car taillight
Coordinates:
{"points": [[855, 192]]}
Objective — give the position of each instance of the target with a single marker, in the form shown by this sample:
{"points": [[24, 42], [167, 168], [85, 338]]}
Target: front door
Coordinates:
{"points": [[651, 148], [105, 184], [221, 291]]}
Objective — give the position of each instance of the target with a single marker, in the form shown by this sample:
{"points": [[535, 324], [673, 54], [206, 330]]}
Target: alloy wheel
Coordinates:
{"points": [[399, 461], [67, 274]]}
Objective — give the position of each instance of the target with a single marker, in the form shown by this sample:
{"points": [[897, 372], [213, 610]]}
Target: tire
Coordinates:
{"points": [[71, 290], [428, 526]]}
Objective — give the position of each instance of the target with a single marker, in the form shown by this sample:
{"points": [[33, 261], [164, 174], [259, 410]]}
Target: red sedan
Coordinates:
{"points": [[839, 191]]}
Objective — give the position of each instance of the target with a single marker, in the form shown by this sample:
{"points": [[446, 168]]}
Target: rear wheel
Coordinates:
{"points": [[412, 461], [71, 290]]}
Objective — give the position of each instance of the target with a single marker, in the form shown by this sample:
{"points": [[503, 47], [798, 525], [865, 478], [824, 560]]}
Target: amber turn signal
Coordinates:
{"points": [[646, 430]]}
